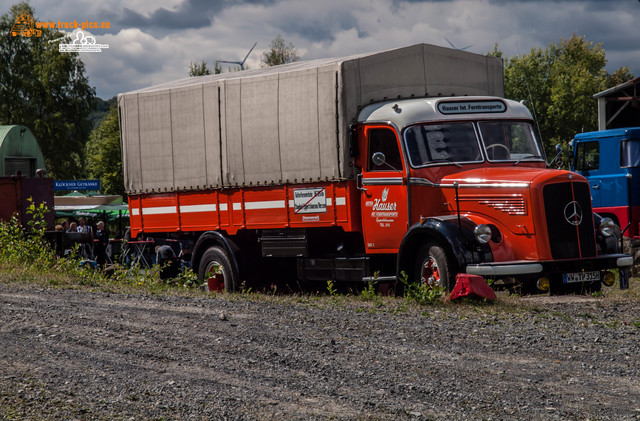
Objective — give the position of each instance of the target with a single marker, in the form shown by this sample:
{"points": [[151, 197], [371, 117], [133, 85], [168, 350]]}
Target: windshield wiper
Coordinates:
{"points": [[446, 160], [527, 157]]}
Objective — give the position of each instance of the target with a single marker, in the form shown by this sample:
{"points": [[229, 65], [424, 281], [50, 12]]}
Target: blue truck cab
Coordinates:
{"points": [[610, 160]]}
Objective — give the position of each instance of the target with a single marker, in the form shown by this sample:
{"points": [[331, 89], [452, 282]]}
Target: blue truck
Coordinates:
{"points": [[610, 160]]}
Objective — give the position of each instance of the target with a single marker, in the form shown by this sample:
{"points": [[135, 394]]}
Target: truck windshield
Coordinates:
{"points": [[630, 153], [509, 140], [438, 143], [457, 142]]}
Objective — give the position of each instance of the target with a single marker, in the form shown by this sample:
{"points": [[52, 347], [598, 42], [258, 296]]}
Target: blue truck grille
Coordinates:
{"points": [[569, 220]]}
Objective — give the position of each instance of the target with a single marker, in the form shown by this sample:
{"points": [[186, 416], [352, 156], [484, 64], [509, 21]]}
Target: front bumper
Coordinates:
{"points": [[518, 268]]}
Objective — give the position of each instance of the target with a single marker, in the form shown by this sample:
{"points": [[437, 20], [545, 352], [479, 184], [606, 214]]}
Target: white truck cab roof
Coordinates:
{"points": [[405, 112]]}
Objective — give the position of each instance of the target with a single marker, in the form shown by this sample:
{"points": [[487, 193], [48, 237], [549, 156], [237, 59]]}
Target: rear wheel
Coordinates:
{"points": [[216, 272], [433, 266]]}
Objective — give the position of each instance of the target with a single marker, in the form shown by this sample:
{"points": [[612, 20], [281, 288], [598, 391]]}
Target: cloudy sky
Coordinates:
{"points": [[153, 41]]}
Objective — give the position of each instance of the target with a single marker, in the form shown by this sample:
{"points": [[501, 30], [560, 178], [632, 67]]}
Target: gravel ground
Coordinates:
{"points": [[75, 354]]}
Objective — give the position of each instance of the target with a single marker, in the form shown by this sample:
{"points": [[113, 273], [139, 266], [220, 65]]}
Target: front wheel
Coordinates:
{"points": [[434, 267], [216, 272]]}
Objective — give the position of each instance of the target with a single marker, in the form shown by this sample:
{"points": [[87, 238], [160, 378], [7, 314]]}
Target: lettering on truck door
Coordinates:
{"points": [[384, 191]]}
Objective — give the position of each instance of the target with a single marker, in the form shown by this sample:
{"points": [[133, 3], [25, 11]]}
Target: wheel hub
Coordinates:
{"points": [[215, 278], [430, 273]]}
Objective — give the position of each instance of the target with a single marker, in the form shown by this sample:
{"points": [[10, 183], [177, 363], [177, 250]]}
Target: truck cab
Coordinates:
{"points": [[610, 161], [460, 184]]}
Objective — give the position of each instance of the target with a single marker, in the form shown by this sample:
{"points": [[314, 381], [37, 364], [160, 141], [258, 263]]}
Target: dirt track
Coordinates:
{"points": [[79, 355]]}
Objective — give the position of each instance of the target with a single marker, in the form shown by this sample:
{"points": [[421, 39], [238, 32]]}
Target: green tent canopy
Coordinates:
{"points": [[94, 206], [93, 211]]}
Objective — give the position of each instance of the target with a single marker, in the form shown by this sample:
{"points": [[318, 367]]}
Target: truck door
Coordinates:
{"points": [[383, 190], [588, 164]]}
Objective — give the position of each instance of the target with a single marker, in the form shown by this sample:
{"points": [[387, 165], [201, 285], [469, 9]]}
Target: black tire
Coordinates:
{"points": [[438, 261], [213, 257]]}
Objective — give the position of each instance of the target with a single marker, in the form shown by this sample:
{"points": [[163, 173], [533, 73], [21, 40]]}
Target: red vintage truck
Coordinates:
{"points": [[406, 161]]}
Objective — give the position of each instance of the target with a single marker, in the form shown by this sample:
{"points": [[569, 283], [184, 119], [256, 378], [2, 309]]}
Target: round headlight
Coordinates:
{"points": [[607, 226], [482, 233]]}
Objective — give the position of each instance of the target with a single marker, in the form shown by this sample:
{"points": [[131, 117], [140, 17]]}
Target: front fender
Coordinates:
{"points": [[457, 240]]}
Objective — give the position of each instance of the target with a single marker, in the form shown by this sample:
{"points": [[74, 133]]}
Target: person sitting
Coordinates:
{"points": [[166, 259]]}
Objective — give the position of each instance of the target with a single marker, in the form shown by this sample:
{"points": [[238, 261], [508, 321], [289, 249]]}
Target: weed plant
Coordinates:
{"points": [[421, 292]]}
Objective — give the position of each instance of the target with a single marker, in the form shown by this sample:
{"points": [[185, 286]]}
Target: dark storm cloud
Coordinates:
{"points": [[187, 15], [598, 21], [321, 27]]}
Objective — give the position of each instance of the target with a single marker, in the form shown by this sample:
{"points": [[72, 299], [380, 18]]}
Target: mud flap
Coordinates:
{"points": [[624, 278], [474, 285]]}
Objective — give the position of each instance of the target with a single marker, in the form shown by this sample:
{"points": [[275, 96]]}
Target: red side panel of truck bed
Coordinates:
{"points": [[273, 207]]}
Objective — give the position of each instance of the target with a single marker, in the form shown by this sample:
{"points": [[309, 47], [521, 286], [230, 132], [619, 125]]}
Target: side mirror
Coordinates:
{"points": [[378, 158], [558, 158]]}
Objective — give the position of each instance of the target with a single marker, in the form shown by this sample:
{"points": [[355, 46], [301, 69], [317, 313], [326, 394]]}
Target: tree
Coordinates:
{"points": [[558, 84], [47, 91], [104, 155], [202, 69], [279, 53]]}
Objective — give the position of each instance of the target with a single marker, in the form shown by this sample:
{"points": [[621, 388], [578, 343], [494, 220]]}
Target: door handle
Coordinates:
{"points": [[359, 185]]}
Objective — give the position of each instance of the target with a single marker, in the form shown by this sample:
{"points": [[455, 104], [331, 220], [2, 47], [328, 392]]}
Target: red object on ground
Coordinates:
{"points": [[467, 285]]}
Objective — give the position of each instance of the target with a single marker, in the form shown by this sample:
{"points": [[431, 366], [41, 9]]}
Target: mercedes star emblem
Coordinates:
{"points": [[573, 213]]}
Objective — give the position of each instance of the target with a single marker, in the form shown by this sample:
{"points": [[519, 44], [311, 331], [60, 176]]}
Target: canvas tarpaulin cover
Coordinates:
{"points": [[283, 124]]}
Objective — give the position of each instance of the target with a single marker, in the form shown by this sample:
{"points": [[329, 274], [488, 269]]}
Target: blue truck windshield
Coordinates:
{"points": [[630, 153]]}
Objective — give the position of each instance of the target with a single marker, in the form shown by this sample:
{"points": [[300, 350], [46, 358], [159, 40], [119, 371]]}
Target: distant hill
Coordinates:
{"points": [[102, 107]]}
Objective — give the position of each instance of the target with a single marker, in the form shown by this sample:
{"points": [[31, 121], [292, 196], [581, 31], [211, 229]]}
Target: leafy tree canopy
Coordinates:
{"points": [[279, 53], [104, 157], [558, 84], [101, 108], [47, 91]]}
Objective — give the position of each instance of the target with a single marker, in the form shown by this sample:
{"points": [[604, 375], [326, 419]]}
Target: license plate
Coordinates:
{"points": [[581, 277]]}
